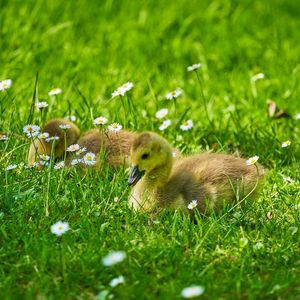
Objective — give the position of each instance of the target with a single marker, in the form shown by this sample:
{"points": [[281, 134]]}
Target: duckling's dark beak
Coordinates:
{"points": [[135, 175]]}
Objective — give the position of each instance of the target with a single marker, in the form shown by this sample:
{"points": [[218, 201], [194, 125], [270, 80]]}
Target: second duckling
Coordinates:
{"points": [[210, 179]]}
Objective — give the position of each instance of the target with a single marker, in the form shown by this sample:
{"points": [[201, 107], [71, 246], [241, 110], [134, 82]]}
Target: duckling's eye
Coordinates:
{"points": [[145, 156]]}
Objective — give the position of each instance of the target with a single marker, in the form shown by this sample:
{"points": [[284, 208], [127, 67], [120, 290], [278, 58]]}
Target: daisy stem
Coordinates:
{"points": [[203, 97], [65, 141], [124, 107], [62, 261]]}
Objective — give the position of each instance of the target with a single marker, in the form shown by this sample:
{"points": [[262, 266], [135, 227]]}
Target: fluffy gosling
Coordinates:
{"points": [[41, 146], [161, 181]]}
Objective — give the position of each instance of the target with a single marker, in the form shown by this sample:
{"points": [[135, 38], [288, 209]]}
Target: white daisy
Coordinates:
{"points": [[297, 116], [193, 67], [5, 84], [258, 76], [113, 258], [11, 167], [55, 91], [100, 121], [116, 281], [174, 94], [187, 125], [59, 165], [52, 138], [76, 161], [41, 105], [60, 228], [118, 92], [64, 126], [165, 124], [73, 148], [71, 118], [193, 204], [161, 113], [192, 291], [252, 160], [44, 135], [89, 159], [81, 151], [31, 130], [3, 137], [126, 86], [115, 127], [286, 144], [44, 157]]}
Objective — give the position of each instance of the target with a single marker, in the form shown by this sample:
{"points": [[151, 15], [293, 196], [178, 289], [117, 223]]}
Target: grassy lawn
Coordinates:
{"points": [[89, 49]]}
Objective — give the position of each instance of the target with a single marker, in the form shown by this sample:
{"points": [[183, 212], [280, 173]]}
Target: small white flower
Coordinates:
{"points": [[286, 144], [187, 125], [116, 199], [11, 167], [76, 161], [258, 246], [5, 84], [118, 92], [161, 113], [31, 130], [52, 138], [252, 160], [174, 154], [297, 116], [258, 76], [243, 242], [115, 127], [116, 281], [113, 258], [193, 204], [288, 179], [41, 105], [192, 291], [64, 126], [73, 148], [59, 165], [54, 92], [165, 125], [100, 121], [121, 91], [89, 159], [126, 86], [60, 228], [174, 94], [193, 67], [81, 151], [44, 135], [44, 157], [71, 118], [3, 137]]}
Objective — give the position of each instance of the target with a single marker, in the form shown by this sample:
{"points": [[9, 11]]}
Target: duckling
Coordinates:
{"points": [[115, 145], [41, 146], [210, 179]]}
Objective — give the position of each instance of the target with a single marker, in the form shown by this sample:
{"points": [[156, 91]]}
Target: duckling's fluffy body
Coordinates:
{"points": [[40, 146], [115, 145], [211, 179]]}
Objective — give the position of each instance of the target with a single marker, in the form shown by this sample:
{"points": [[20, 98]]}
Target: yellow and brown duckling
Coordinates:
{"points": [[114, 146], [211, 179], [56, 138]]}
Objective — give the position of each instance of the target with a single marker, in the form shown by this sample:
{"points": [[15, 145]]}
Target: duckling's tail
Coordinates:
{"points": [[55, 139]]}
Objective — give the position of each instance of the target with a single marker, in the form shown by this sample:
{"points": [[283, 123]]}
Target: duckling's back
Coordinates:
{"points": [[217, 177]]}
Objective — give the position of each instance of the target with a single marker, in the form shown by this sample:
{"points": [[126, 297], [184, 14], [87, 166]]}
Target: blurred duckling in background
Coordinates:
{"points": [[210, 179], [114, 146], [54, 138]]}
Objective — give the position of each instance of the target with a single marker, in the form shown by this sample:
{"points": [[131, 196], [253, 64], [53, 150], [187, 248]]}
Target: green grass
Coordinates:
{"points": [[88, 49]]}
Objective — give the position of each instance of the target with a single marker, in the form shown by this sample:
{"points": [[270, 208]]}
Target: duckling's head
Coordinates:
{"points": [[149, 154]]}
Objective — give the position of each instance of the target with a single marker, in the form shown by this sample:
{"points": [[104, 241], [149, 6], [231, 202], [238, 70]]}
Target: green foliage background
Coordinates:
{"points": [[89, 48]]}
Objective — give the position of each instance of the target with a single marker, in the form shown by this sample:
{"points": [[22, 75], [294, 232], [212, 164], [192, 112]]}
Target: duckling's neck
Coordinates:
{"points": [[160, 175]]}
